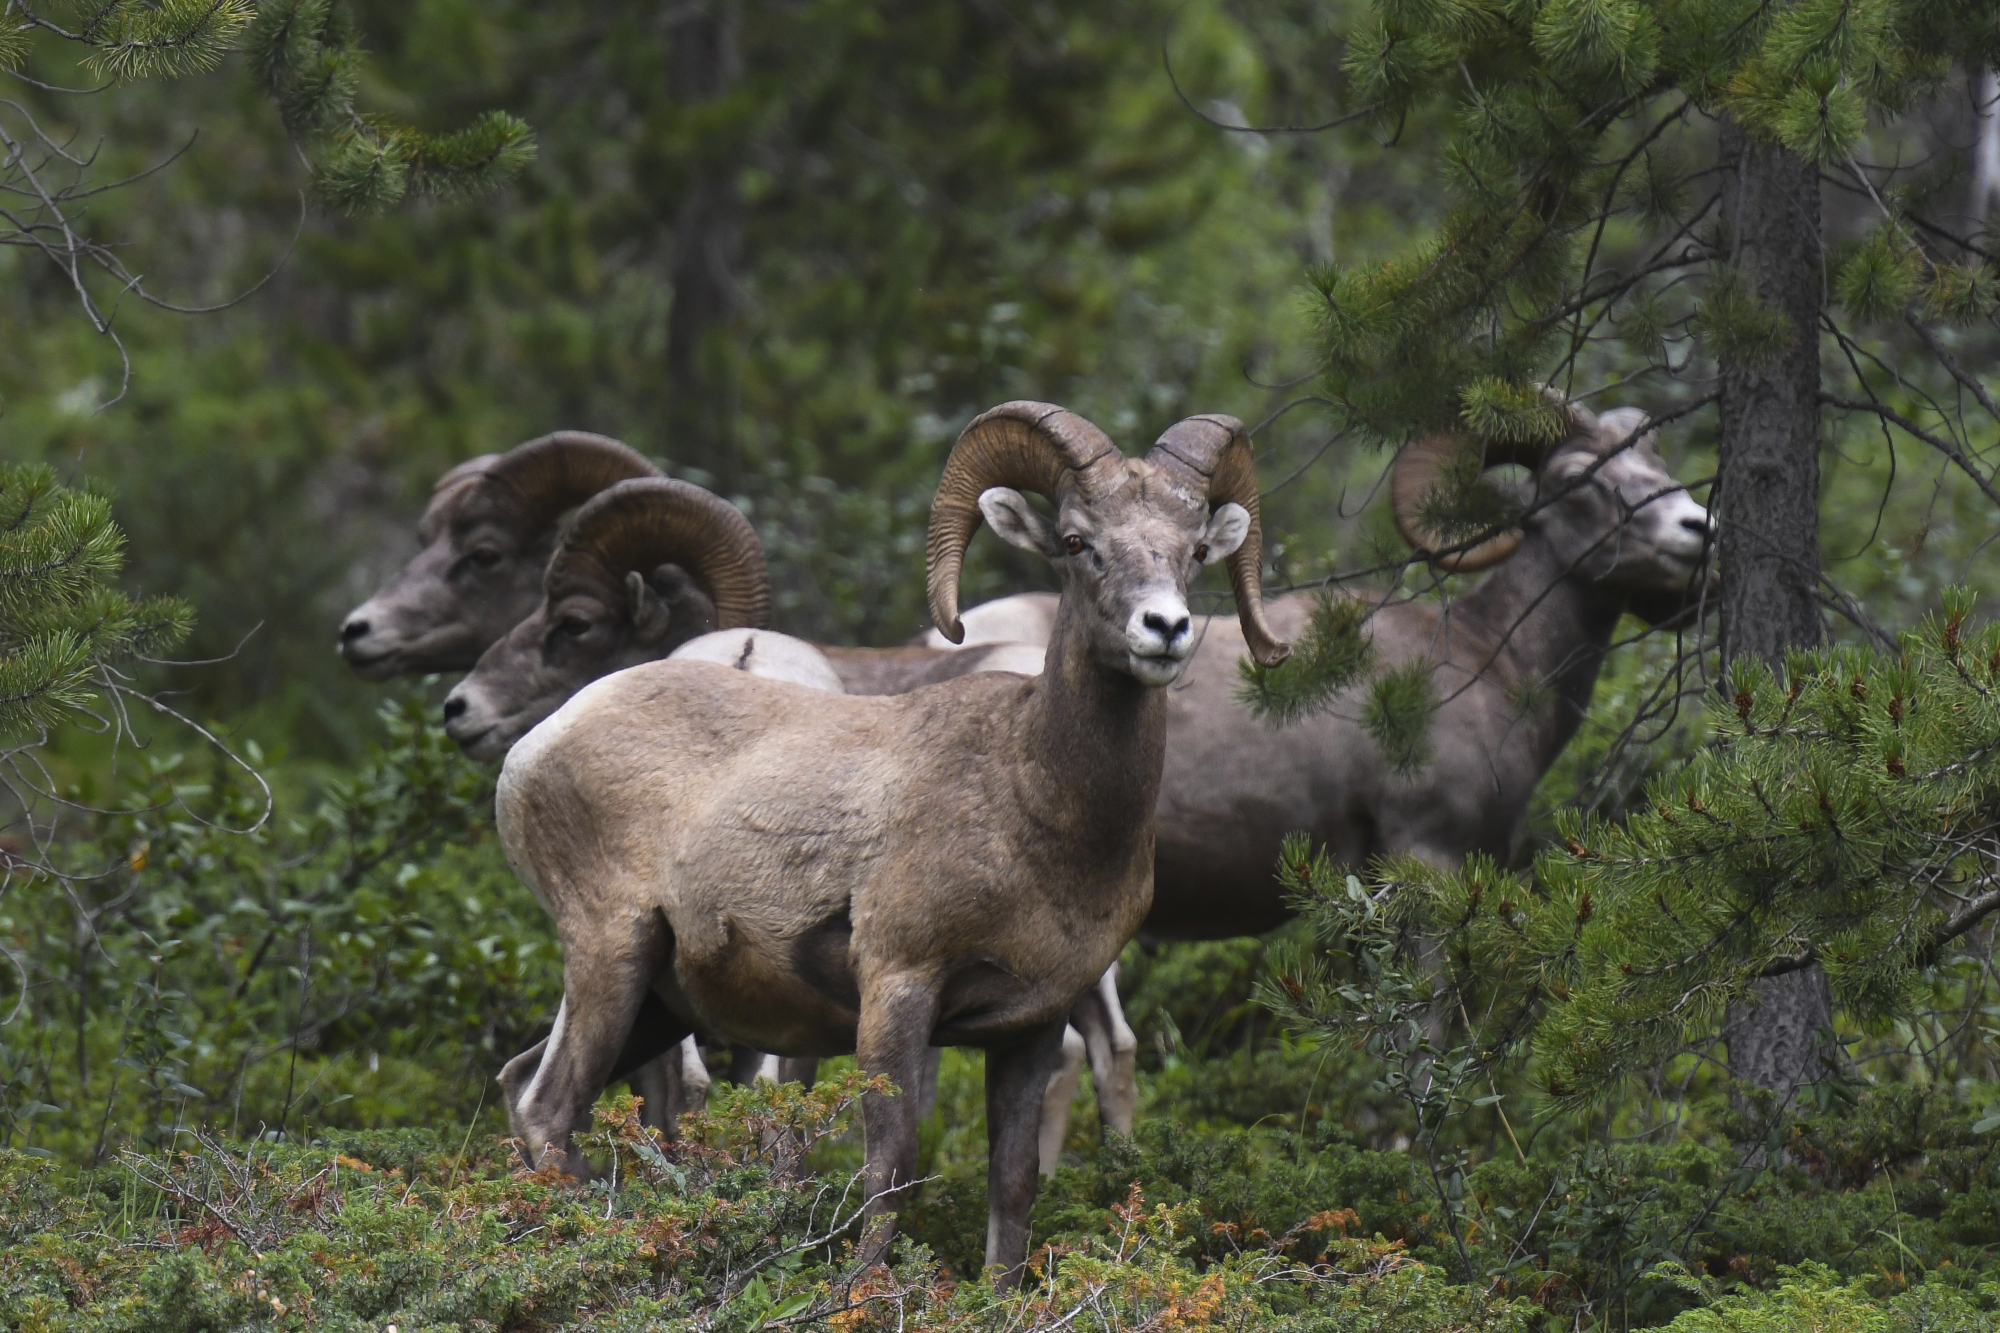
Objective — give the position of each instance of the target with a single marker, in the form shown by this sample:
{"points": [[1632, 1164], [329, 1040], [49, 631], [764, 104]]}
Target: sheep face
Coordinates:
{"points": [[479, 573], [1126, 555], [588, 624], [1618, 516]]}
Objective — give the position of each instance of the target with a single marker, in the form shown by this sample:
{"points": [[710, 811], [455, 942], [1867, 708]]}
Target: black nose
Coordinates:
{"points": [[354, 629], [454, 708], [1700, 527], [1157, 623]]}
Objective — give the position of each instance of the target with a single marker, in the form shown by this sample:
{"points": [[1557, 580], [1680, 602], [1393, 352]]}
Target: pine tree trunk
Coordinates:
{"points": [[701, 387], [1767, 511]]}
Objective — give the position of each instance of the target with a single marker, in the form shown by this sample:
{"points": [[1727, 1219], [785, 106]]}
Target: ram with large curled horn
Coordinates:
{"points": [[812, 873], [1599, 528], [486, 537]]}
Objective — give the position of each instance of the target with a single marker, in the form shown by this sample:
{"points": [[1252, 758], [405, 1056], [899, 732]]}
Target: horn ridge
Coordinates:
{"points": [[645, 522], [1215, 451], [1026, 445], [1423, 461], [562, 469], [1412, 479]]}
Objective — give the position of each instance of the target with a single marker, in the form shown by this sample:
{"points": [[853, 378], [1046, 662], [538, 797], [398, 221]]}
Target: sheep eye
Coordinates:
{"points": [[1201, 553], [1073, 544]]}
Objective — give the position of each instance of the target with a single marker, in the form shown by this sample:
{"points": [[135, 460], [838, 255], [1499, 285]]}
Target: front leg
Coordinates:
{"points": [[1017, 1078], [897, 1015]]}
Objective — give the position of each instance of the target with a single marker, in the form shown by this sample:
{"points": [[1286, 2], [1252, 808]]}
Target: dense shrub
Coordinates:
{"points": [[368, 963]]}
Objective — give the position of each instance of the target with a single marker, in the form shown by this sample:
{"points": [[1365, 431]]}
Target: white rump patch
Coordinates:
{"points": [[762, 652], [1023, 658], [1028, 617]]}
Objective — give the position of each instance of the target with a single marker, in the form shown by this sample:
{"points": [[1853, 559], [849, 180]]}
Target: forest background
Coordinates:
{"points": [[788, 250]]}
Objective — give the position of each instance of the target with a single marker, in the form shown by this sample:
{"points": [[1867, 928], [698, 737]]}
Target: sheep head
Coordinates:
{"points": [[1127, 535], [1601, 497], [644, 567], [487, 535]]}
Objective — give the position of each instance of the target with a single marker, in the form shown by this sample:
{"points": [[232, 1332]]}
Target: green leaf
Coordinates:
{"points": [[1333, 653], [1398, 714], [15, 44], [1737, 328], [1616, 40], [1821, 125], [131, 39], [1881, 277]]}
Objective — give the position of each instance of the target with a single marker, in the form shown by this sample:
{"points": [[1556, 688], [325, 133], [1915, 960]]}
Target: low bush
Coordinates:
{"points": [[725, 1228]]}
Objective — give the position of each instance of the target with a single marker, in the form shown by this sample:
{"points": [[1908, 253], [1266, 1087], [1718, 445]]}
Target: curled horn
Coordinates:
{"points": [[561, 471], [446, 493], [651, 521], [1214, 453], [1029, 446], [1421, 465]]}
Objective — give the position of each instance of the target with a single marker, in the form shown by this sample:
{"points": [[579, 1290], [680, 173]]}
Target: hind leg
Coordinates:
{"points": [[1057, 1098], [1114, 1052], [606, 978], [671, 1085]]}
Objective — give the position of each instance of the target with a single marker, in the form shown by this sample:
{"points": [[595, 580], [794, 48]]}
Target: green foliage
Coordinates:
{"points": [[371, 962], [1811, 1298], [721, 1228], [1737, 327], [1516, 414], [134, 39], [62, 626], [1844, 815], [307, 55], [1333, 653], [1881, 276], [1397, 713]]}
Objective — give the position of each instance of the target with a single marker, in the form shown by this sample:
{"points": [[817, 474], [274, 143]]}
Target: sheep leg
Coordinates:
{"points": [[799, 1069], [1058, 1097], [1114, 1052], [897, 1016], [927, 1082], [747, 1066], [1017, 1078], [671, 1085], [605, 982]]}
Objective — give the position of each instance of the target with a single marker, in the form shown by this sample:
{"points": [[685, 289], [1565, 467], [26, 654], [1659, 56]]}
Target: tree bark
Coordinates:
{"points": [[1767, 512], [701, 373]]}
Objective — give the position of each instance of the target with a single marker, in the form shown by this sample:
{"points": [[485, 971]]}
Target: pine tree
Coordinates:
{"points": [[1846, 819], [1636, 201], [307, 58], [64, 630]]}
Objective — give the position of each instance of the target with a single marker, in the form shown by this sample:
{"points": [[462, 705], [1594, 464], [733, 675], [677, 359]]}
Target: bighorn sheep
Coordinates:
{"points": [[1607, 530], [599, 614], [817, 873], [487, 535]]}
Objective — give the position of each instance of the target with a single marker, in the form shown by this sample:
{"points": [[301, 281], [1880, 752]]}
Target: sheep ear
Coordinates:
{"points": [[1008, 513], [649, 614], [1227, 527]]}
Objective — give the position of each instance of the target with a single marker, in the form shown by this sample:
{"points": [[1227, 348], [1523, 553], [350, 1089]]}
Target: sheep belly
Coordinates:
{"points": [[761, 877]]}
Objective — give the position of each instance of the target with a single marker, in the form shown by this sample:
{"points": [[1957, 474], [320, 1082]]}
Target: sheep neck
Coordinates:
{"points": [[1540, 617], [1095, 740]]}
